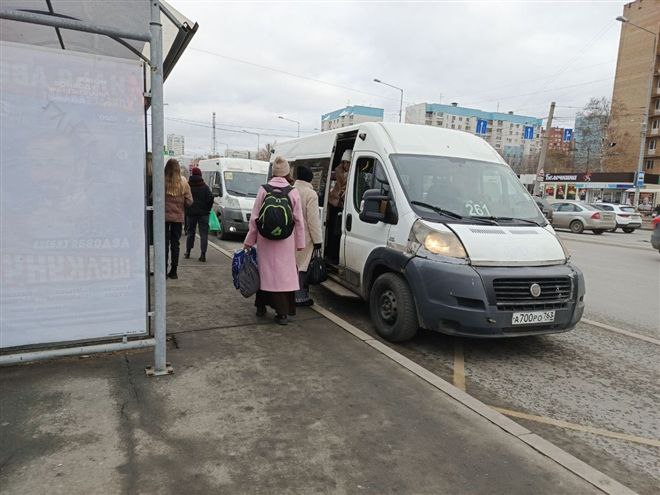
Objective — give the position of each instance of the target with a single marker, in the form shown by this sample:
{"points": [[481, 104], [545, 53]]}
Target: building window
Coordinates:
{"points": [[657, 104], [649, 164], [439, 122], [460, 119], [656, 123], [652, 144], [453, 118]]}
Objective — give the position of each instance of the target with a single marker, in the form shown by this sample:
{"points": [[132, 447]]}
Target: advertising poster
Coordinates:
{"points": [[72, 197], [550, 191]]}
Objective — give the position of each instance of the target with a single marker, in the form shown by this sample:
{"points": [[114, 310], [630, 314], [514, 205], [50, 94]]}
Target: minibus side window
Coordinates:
{"points": [[369, 174]]}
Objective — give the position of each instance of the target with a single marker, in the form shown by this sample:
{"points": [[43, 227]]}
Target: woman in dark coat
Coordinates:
{"points": [[197, 214]]}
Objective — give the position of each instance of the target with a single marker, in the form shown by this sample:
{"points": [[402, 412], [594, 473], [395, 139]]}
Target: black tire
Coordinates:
{"points": [[598, 231], [613, 230], [222, 233], [392, 308], [628, 230], [576, 227]]}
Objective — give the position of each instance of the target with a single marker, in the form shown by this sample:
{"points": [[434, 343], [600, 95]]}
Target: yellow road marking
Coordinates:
{"points": [[572, 426], [604, 326], [459, 365]]}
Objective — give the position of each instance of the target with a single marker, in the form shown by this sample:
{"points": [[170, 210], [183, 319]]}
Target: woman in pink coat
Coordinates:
{"points": [[277, 258]]}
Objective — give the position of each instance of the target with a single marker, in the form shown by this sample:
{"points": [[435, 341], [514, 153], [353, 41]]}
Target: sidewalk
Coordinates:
{"points": [[252, 408]]}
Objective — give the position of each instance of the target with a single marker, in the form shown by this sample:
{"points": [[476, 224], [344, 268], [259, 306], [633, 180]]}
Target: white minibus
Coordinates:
{"points": [[436, 231], [234, 182]]}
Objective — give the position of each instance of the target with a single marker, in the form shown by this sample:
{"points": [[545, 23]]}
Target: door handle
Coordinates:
{"points": [[349, 222]]}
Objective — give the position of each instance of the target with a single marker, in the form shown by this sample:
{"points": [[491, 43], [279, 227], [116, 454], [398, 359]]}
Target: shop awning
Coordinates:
{"points": [[652, 188]]}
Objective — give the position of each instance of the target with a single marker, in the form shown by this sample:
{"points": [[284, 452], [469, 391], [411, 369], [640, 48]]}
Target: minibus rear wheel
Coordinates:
{"points": [[392, 308]]}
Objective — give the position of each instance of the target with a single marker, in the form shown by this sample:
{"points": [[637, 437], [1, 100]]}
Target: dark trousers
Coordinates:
{"points": [[333, 242], [203, 223], [172, 237]]}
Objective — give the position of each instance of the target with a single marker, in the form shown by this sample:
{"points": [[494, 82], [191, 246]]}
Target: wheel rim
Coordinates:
{"points": [[387, 307], [576, 227]]}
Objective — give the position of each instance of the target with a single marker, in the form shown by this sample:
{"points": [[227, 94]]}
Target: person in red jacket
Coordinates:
{"points": [[177, 198]]}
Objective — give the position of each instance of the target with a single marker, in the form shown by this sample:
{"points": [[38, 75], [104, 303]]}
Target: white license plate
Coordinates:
{"points": [[533, 318]]}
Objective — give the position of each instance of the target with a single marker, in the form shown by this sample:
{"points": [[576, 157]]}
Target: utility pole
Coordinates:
{"points": [[214, 152], [544, 150]]}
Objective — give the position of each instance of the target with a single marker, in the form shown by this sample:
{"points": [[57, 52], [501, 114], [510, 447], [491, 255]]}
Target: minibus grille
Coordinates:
{"points": [[516, 293]]}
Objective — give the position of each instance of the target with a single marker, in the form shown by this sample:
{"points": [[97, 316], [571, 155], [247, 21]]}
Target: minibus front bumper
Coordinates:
{"points": [[234, 221], [459, 299]]}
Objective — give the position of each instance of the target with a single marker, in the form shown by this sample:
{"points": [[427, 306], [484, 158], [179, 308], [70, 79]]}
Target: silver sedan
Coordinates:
{"points": [[579, 217]]}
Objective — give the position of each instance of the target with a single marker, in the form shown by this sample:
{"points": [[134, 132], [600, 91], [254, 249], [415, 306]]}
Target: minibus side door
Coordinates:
{"points": [[361, 238]]}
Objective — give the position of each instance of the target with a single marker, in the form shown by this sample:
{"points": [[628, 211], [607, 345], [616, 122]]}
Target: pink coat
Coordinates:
{"points": [[277, 259]]}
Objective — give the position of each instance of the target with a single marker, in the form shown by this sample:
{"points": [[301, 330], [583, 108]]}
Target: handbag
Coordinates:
{"points": [[246, 272], [214, 223], [317, 271]]}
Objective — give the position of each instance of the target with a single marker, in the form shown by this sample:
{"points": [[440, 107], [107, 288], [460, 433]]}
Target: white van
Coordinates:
{"points": [[234, 182], [437, 232]]}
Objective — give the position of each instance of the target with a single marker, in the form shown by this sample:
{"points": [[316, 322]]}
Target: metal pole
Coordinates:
{"points": [[157, 133], [214, 148], [645, 122], [544, 149], [400, 105], [74, 25], [27, 357]]}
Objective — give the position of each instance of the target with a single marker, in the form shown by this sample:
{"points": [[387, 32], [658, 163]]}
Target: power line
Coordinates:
{"points": [[209, 126], [292, 74]]}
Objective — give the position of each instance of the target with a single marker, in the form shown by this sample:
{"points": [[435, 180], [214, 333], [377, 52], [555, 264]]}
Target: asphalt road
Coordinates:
{"points": [[592, 391]]}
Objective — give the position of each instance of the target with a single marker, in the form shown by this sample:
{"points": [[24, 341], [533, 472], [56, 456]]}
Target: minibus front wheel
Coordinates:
{"points": [[392, 308]]}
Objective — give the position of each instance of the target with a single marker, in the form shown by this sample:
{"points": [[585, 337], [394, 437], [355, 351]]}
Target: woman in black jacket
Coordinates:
{"points": [[197, 214]]}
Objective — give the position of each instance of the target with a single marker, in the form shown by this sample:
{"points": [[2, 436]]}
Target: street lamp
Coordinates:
{"points": [[258, 138], [642, 145], [395, 87], [291, 120]]}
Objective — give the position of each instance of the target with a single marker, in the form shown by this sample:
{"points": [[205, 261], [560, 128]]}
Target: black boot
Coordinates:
{"points": [[186, 256], [172, 274], [202, 258]]}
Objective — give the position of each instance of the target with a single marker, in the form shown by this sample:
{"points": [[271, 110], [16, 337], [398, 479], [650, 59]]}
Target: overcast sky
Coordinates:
{"points": [[252, 61]]}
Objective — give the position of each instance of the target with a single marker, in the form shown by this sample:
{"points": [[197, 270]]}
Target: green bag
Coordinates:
{"points": [[214, 223]]}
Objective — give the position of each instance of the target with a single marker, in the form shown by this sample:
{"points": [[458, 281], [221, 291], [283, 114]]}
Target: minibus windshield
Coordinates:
{"points": [[244, 184], [469, 188]]}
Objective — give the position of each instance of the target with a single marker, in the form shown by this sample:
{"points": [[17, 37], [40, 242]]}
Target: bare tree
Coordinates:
{"points": [[265, 152], [590, 128]]}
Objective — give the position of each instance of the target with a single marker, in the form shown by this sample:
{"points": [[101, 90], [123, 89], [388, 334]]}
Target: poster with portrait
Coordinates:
{"points": [[550, 191], [570, 191], [72, 197]]}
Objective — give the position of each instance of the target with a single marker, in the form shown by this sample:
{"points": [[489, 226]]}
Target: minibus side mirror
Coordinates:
{"points": [[374, 206], [217, 190]]}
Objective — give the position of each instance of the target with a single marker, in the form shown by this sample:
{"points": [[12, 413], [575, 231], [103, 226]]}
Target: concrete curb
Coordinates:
{"points": [[548, 449]]}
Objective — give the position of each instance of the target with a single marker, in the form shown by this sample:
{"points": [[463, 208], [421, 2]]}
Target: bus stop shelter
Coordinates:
{"points": [[77, 81]]}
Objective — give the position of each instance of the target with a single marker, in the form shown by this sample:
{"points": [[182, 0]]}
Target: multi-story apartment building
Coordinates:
{"points": [[508, 133], [556, 140], [350, 115], [176, 144], [637, 66]]}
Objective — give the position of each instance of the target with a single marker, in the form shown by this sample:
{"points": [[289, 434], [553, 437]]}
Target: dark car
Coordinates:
{"points": [[545, 207], [655, 236]]}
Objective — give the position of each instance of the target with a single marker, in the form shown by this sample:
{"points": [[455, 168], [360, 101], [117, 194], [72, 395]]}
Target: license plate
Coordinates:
{"points": [[533, 318]]}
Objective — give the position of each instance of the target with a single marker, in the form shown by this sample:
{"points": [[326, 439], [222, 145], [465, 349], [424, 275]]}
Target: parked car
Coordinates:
{"points": [[627, 218], [545, 207], [655, 236], [579, 217]]}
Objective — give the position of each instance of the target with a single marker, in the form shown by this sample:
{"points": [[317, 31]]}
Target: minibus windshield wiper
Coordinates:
{"points": [[512, 219], [236, 193], [437, 209]]}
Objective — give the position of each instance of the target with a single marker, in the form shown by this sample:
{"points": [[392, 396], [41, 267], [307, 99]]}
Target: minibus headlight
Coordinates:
{"points": [[232, 203], [435, 242]]}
